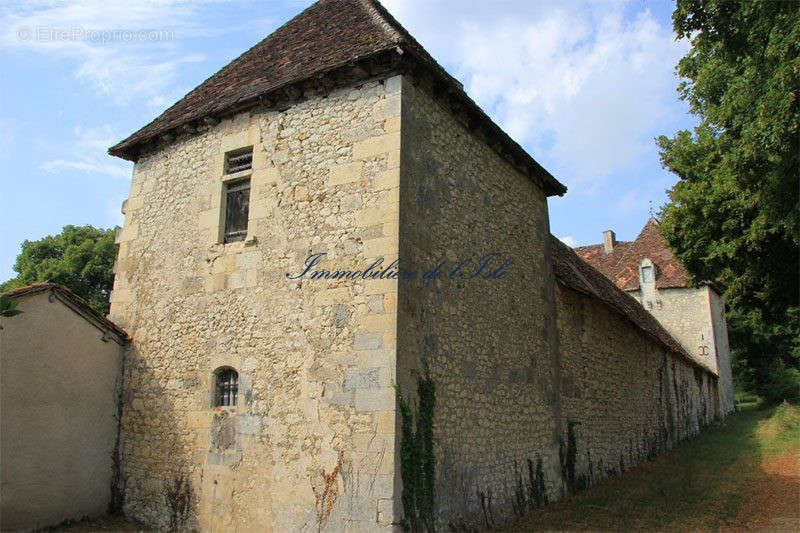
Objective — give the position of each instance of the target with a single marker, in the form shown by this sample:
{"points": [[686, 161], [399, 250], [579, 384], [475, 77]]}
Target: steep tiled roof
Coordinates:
{"points": [[329, 36], [622, 265], [595, 255], [79, 304], [571, 271], [324, 36]]}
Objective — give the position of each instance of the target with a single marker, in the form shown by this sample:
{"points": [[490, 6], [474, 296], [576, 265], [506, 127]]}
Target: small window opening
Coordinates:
{"points": [[237, 208], [239, 160], [647, 274], [227, 385]]}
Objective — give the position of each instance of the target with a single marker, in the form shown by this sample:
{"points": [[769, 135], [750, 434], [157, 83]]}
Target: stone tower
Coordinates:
{"points": [[359, 394]]}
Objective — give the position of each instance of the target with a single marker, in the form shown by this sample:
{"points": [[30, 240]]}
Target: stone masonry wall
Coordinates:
{"points": [[624, 397], [529, 392], [696, 318], [685, 313], [488, 343], [311, 440], [526, 409]]}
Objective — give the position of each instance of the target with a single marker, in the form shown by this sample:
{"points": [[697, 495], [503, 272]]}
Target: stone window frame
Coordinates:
{"points": [[231, 187], [215, 388], [245, 383], [221, 197], [647, 263]]}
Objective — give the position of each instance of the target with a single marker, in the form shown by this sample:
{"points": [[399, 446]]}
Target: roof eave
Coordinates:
{"points": [[130, 149]]}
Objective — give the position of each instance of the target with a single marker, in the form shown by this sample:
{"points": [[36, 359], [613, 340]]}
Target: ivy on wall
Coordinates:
{"points": [[417, 461], [531, 494]]}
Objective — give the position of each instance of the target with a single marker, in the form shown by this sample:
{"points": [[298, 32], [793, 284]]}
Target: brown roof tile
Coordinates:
{"points": [[325, 35], [622, 265], [329, 35], [570, 270], [595, 255]]}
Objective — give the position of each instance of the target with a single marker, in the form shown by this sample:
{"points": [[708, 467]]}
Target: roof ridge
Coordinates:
{"points": [[384, 19], [330, 42], [589, 280], [224, 67], [598, 244], [76, 300]]}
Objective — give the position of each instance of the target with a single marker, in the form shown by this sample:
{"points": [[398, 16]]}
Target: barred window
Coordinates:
{"points": [[239, 160], [227, 385], [237, 208]]}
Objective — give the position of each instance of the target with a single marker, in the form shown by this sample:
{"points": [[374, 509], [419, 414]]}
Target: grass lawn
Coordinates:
{"points": [[740, 474]]}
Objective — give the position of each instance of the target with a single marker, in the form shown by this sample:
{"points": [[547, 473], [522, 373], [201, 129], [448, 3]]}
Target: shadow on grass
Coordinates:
{"points": [[93, 525], [702, 484]]}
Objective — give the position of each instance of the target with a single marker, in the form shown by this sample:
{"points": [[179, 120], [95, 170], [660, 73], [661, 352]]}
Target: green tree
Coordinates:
{"points": [[733, 216], [80, 258], [8, 307]]}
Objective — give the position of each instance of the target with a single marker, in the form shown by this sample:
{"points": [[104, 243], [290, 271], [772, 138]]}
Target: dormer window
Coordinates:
{"points": [[647, 274]]}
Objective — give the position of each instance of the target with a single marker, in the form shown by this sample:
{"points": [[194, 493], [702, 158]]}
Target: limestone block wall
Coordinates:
{"points": [[624, 397], [695, 317], [533, 395], [488, 344], [686, 314], [510, 396], [310, 442]]}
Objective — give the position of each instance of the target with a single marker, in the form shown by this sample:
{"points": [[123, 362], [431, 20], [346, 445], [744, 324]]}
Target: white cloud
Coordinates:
{"points": [[584, 86], [569, 240], [89, 147], [125, 50], [87, 166]]}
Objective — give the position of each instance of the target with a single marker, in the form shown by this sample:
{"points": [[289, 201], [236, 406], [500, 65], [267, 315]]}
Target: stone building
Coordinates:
{"points": [[271, 388], [60, 382], [694, 314]]}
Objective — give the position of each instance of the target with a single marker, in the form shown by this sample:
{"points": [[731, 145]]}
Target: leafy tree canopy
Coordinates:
{"points": [[8, 307], [733, 216], [80, 258]]}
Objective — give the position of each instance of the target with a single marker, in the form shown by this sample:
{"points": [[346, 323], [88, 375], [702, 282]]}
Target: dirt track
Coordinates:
{"points": [[776, 504]]}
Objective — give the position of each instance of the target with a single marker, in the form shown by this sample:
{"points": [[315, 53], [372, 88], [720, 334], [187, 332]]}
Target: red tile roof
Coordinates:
{"points": [[622, 265], [571, 271], [328, 37], [81, 305]]}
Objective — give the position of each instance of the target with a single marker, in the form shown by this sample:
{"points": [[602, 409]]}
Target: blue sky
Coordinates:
{"points": [[583, 86]]}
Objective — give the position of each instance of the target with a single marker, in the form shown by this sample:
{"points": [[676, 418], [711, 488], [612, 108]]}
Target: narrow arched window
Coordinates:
{"points": [[227, 385]]}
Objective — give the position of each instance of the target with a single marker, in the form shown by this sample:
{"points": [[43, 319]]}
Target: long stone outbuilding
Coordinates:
{"points": [[260, 399], [693, 313]]}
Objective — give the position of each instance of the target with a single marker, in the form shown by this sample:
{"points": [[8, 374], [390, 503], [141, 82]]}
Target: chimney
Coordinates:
{"points": [[609, 240]]}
